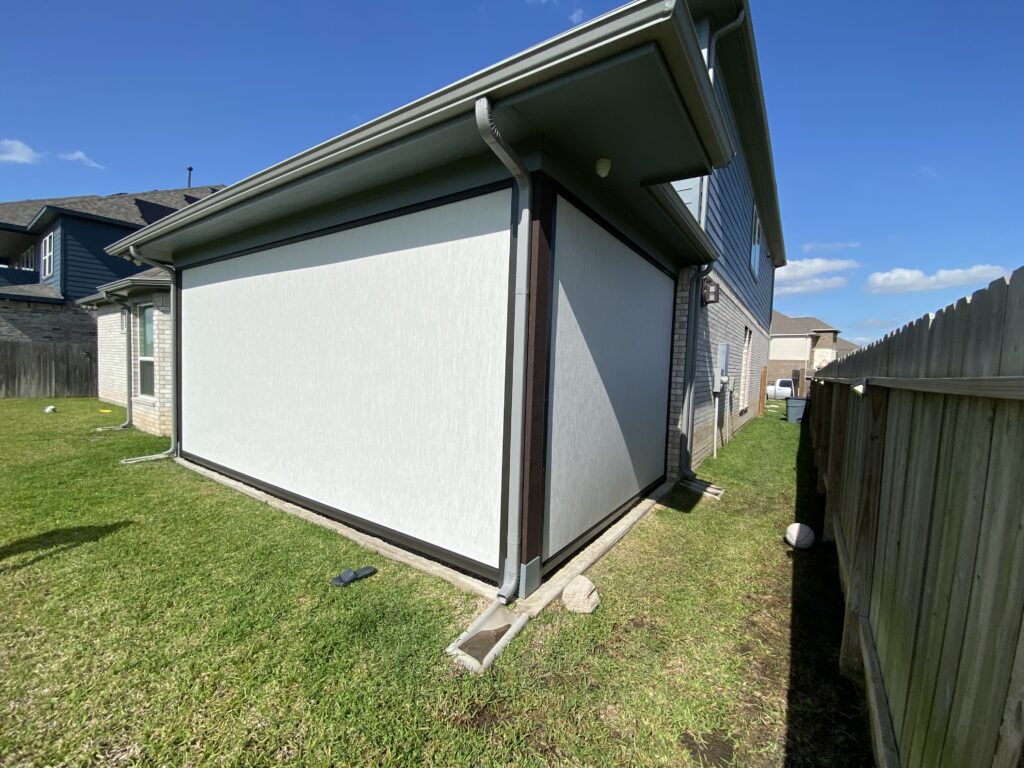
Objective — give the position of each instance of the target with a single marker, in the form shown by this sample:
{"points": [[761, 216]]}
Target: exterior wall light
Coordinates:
{"points": [[709, 292]]}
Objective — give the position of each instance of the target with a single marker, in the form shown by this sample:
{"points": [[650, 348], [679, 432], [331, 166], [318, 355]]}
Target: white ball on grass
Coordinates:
{"points": [[50, 409], [800, 536]]}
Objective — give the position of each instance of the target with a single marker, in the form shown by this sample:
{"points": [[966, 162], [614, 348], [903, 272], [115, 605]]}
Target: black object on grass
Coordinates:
{"points": [[348, 576]]}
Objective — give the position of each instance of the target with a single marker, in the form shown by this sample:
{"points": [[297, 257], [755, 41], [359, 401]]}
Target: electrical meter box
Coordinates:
{"points": [[721, 377]]}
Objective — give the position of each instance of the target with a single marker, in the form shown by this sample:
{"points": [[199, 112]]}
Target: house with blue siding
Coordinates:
{"points": [[52, 254], [496, 289], [736, 206]]}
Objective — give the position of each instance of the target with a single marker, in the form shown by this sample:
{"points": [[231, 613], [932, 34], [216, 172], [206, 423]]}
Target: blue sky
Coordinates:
{"points": [[897, 127]]}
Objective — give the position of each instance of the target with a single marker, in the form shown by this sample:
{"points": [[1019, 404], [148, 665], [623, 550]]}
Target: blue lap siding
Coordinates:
{"points": [[86, 264], [730, 224]]}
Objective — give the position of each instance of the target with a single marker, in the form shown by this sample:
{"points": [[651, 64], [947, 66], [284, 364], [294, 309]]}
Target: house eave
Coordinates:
{"points": [[49, 213], [664, 24]]}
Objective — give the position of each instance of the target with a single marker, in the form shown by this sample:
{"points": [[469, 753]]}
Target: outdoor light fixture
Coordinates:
{"points": [[603, 167], [708, 292]]}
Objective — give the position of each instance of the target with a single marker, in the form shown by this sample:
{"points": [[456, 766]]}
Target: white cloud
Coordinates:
{"points": [[902, 280], [576, 16], [805, 275], [926, 172], [80, 156], [811, 285], [14, 151], [862, 341], [801, 269], [808, 247]]}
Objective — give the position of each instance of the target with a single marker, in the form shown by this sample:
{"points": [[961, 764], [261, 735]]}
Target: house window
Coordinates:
{"points": [[146, 350], [748, 338], [46, 255], [27, 260], [755, 246]]}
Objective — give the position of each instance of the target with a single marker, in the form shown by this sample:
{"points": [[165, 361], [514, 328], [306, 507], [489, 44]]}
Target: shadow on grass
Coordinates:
{"points": [[56, 542], [827, 722]]}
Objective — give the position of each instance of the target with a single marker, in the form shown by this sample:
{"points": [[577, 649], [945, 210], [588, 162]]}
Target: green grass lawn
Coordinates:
{"points": [[150, 616]]}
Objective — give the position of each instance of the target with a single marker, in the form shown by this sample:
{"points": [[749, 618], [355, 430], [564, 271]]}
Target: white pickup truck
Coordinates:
{"points": [[781, 389]]}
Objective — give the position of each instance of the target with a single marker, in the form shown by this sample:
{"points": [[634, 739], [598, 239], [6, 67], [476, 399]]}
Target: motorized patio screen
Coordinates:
{"points": [[363, 369], [609, 375]]}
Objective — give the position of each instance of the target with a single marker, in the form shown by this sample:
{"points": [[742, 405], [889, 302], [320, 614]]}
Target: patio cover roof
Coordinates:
{"points": [[631, 85]]}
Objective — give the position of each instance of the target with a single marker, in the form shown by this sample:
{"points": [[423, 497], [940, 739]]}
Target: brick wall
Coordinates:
{"points": [[40, 321], [676, 417], [110, 340], [725, 322], [153, 414]]}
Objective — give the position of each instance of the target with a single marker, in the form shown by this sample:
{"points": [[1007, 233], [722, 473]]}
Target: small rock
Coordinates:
{"points": [[580, 596]]}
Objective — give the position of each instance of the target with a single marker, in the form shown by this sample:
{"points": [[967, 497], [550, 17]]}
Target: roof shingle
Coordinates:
{"points": [[137, 208], [784, 325]]}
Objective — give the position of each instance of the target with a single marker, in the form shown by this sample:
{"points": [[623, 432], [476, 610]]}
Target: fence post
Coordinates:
{"points": [[836, 455], [862, 559]]}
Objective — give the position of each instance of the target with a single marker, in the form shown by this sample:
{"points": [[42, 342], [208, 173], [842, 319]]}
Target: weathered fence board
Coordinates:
{"points": [[47, 369], [925, 490]]}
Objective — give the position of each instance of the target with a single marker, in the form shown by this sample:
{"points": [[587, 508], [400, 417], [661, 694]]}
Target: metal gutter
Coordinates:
{"points": [[665, 21], [757, 144], [519, 269], [108, 291]]}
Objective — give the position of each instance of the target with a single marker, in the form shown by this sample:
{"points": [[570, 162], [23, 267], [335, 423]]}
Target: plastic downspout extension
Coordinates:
{"points": [[173, 450], [520, 264], [127, 369]]}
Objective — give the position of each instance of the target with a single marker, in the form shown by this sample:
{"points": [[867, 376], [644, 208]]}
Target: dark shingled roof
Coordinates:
{"points": [[35, 290], [138, 208], [784, 325]]}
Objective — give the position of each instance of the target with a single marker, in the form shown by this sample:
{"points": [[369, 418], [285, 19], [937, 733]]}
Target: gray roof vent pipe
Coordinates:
{"points": [[515, 381]]}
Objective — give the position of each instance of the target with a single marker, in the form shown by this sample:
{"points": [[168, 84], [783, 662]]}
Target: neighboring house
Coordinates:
{"points": [[52, 254], [465, 326], [133, 323], [844, 348], [802, 345], [737, 208]]}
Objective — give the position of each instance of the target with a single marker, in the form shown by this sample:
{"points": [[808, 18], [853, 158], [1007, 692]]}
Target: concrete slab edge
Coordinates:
{"points": [[381, 547], [552, 588]]}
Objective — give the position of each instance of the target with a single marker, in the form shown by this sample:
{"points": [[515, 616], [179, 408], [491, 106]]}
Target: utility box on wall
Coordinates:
{"points": [[721, 378]]}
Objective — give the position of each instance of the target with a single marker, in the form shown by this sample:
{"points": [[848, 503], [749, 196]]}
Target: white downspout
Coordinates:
{"points": [[172, 451], [520, 269]]}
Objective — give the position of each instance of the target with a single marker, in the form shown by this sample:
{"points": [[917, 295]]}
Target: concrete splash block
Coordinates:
{"points": [[478, 647]]}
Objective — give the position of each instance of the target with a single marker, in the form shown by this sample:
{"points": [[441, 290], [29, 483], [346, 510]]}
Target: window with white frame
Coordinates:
{"points": [[755, 246], [146, 378], [748, 339], [46, 255], [27, 260]]}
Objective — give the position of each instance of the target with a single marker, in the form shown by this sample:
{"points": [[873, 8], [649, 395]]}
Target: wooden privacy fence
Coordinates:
{"points": [[47, 369], [919, 444]]}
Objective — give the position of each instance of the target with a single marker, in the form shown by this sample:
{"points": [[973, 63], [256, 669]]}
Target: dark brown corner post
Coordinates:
{"points": [[538, 347]]}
